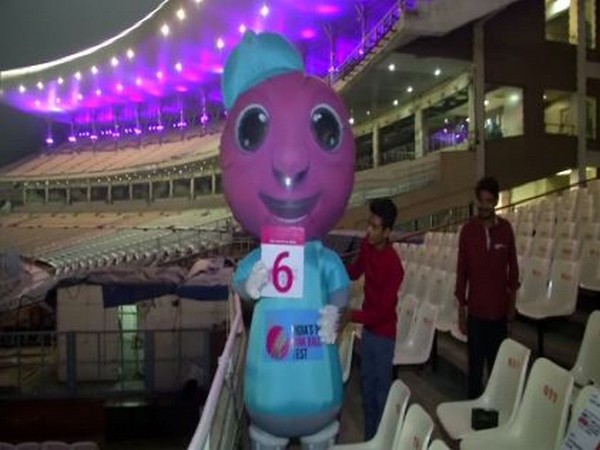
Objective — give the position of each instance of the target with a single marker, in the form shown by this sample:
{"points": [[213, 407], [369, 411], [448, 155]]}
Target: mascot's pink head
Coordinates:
{"points": [[287, 152]]}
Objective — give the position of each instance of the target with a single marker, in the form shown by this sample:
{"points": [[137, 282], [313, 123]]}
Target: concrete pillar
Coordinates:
{"points": [[213, 183], [130, 190], [420, 134], [574, 177], [471, 112], [192, 189], [71, 362], [587, 27], [581, 91], [68, 196], [149, 363], [574, 22], [109, 194], [150, 192], [46, 194], [375, 145], [170, 187], [479, 96], [24, 196], [89, 193]]}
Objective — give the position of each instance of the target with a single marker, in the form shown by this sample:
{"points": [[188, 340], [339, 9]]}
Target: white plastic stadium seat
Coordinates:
{"points": [[580, 404], [416, 430], [587, 365], [542, 247], [346, 347], [391, 420], [28, 446], [448, 311], [565, 230], [502, 393], [525, 229], [456, 333], [567, 249], [590, 266], [410, 278], [406, 318], [535, 280], [561, 298], [589, 232], [524, 245], [438, 445], [540, 421], [84, 445], [423, 277], [55, 445], [544, 229], [436, 287], [417, 347]]}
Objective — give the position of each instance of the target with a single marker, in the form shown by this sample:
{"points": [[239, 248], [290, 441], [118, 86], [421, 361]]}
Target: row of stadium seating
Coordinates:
{"points": [[72, 162]]}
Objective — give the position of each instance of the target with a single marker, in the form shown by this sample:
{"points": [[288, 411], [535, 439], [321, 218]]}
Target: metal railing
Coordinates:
{"points": [[208, 147], [460, 214], [561, 128], [142, 246], [405, 152], [223, 413], [414, 176], [373, 38], [47, 364], [452, 140]]}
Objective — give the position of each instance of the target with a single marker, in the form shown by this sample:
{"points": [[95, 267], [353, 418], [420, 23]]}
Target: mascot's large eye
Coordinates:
{"points": [[252, 127], [327, 127]]}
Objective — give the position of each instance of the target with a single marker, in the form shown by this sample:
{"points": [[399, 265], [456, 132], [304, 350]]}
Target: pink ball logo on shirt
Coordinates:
{"points": [[278, 344]]}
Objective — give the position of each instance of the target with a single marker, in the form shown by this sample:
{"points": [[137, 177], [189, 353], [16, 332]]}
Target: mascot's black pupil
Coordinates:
{"points": [[326, 128], [252, 128]]}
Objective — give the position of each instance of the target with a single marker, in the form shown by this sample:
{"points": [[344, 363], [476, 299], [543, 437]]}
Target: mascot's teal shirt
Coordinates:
{"points": [[288, 371]]}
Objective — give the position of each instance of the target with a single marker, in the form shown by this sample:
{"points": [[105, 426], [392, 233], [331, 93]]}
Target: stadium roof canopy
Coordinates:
{"points": [[172, 59]]}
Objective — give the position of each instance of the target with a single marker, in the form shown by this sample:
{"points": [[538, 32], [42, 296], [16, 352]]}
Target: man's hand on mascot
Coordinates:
{"points": [[258, 279], [329, 322]]}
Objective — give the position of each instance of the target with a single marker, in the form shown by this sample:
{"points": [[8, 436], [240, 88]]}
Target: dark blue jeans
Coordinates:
{"points": [[377, 354], [485, 337]]}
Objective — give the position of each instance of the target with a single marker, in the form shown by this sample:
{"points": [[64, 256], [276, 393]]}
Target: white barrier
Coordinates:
{"points": [[224, 405]]}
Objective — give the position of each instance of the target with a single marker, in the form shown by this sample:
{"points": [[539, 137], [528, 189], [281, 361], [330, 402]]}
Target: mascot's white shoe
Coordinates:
{"points": [[323, 440], [262, 440]]}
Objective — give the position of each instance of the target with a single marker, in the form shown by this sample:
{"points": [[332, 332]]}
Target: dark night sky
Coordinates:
{"points": [[35, 31]]}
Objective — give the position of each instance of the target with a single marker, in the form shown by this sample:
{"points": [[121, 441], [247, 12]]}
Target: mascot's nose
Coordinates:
{"points": [[289, 179]]}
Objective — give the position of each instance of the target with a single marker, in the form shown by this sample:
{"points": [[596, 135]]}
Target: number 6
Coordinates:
{"points": [[277, 269]]}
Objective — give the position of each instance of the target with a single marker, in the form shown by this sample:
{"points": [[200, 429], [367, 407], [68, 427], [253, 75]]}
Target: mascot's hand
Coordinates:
{"points": [[258, 279], [328, 324]]}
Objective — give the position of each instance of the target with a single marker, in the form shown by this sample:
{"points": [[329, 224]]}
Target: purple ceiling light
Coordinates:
{"points": [[179, 49]]}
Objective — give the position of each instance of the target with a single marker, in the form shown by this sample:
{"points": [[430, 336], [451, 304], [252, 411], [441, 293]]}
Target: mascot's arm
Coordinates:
{"points": [[338, 296], [336, 280], [250, 277]]}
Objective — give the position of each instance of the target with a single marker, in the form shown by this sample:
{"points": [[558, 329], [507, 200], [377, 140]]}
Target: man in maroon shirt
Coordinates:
{"points": [[487, 269], [383, 273]]}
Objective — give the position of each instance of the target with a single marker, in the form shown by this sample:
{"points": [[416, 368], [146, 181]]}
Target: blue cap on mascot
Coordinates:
{"points": [[257, 58]]}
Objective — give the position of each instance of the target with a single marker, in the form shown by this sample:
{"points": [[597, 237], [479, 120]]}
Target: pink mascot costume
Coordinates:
{"points": [[287, 159]]}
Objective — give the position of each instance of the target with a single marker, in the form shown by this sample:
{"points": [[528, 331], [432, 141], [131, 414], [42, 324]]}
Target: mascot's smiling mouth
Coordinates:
{"points": [[289, 210]]}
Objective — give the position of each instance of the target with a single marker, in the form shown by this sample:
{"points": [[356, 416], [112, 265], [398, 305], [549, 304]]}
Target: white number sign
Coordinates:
{"points": [[282, 251]]}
